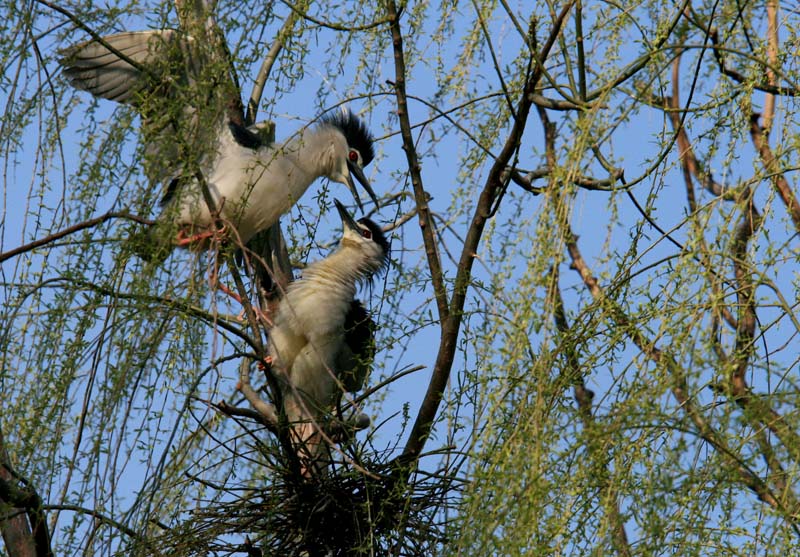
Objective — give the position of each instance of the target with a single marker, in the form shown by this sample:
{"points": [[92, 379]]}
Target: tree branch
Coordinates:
{"points": [[24, 535], [71, 230], [772, 58], [583, 397], [420, 195], [679, 387], [691, 167], [493, 187], [336, 26], [266, 68], [264, 410], [524, 179], [686, 152], [773, 168], [740, 78], [754, 407]]}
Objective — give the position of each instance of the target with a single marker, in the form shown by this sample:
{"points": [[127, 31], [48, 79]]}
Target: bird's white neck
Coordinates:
{"points": [[342, 270]]}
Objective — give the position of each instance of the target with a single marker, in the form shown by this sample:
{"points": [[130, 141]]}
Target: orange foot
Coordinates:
{"points": [[183, 240], [262, 365], [260, 315]]}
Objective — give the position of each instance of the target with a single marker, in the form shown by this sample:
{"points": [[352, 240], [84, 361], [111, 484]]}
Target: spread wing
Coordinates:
{"points": [[129, 67], [184, 89]]}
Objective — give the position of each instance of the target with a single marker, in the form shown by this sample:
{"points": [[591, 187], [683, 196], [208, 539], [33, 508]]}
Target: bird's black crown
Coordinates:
{"points": [[355, 132]]}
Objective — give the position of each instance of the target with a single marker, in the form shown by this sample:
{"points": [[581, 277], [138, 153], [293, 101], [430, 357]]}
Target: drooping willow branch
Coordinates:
{"points": [[583, 397], [784, 502]]}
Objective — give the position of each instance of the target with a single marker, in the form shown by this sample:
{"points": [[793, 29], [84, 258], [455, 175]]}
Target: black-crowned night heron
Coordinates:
{"points": [[322, 337], [251, 181]]}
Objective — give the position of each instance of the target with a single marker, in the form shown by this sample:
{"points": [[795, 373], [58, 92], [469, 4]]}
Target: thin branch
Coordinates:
{"points": [[266, 68], [159, 301], [420, 195], [364, 395], [71, 230], [685, 152], [640, 62], [690, 167], [583, 397], [336, 26], [495, 63], [740, 78], [130, 532], [680, 388], [773, 167]]}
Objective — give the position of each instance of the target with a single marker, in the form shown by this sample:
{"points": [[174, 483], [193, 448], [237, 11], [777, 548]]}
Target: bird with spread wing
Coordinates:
{"points": [[214, 167]]}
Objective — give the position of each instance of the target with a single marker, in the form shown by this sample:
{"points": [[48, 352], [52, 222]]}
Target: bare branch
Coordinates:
{"points": [[525, 181], [266, 410], [266, 68], [772, 58], [262, 417], [104, 519], [556, 104], [24, 530], [420, 195]]}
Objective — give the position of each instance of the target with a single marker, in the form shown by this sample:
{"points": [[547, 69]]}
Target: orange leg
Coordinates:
{"points": [[260, 315], [183, 240]]}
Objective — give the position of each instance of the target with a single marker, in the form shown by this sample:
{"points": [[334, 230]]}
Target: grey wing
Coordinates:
{"points": [[125, 66], [160, 72], [144, 69]]}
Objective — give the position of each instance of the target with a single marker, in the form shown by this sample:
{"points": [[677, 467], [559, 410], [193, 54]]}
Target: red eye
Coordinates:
{"points": [[353, 155], [366, 233]]}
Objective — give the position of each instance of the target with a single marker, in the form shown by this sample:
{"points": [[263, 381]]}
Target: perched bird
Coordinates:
{"points": [[322, 338], [223, 170]]}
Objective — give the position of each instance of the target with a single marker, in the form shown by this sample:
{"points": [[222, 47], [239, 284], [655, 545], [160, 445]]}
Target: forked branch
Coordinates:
{"points": [[495, 184]]}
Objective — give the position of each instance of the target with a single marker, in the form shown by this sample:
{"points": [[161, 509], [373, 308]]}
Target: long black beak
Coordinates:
{"points": [[357, 171], [347, 220]]}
